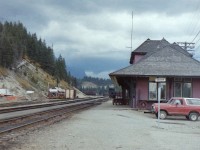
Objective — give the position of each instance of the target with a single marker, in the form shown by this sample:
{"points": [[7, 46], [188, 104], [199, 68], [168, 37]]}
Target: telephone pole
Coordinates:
{"points": [[131, 34], [188, 46]]}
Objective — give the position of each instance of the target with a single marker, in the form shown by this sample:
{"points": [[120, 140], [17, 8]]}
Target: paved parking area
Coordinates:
{"points": [[108, 127]]}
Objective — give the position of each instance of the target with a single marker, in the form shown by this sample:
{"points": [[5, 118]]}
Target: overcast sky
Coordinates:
{"points": [[93, 35]]}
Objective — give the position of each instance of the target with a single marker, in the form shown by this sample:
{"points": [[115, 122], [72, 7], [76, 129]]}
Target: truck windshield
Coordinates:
{"points": [[171, 101], [175, 101]]}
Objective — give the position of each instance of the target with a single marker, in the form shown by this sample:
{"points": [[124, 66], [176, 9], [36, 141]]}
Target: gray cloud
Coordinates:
{"points": [[138, 6], [89, 30]]}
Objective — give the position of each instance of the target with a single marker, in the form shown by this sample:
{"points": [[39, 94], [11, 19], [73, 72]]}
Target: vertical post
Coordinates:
{"points": [[185, 45], [131, 94], [123, 93], [131, 33], [159, 95]]}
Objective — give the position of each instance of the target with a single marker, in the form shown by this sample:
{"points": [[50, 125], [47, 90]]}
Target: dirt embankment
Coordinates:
{"points": [[15, 83]]}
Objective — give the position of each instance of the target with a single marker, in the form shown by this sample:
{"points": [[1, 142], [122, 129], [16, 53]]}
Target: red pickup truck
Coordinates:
{"points": [[188, 107]]}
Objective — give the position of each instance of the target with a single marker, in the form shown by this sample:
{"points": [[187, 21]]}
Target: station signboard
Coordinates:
{"points": [[160, 80]]}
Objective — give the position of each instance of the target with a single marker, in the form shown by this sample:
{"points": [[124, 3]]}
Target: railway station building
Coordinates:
{"points": [[155, 59]]}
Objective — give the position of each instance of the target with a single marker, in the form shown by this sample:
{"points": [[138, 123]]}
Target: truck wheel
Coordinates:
{"points": [[163, 114], [193, 116]]}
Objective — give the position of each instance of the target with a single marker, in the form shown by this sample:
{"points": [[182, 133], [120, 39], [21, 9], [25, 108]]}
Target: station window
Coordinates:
{"points": [[153, 90], [182, 89]]}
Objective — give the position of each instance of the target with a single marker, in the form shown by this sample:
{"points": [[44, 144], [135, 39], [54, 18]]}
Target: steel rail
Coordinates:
{"points": [[42, 116], [41, 105]]}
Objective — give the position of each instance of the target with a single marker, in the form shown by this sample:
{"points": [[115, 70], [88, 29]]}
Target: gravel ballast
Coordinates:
{"points": [[108, 127]]}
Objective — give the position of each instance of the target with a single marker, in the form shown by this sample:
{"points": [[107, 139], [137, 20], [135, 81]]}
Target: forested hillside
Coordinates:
{"points": [[94, 86], [97, 81], [16, 43]]}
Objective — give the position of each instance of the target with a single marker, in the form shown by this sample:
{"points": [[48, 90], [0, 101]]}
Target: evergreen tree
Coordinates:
{"points": [[16, 43]]}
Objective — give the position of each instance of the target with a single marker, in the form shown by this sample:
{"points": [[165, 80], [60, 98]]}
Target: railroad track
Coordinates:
{"points": [[8, 125], [41, 105]]}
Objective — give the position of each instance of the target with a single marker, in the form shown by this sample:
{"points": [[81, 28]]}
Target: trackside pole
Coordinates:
{"points": [[159, 80], [159, 92]]}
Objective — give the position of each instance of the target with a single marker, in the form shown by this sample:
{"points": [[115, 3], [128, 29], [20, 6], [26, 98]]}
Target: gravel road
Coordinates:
{"points": [[108, 127]]}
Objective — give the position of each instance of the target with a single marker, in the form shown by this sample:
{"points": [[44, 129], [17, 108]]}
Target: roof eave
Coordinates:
{"points": [[161, 75]]}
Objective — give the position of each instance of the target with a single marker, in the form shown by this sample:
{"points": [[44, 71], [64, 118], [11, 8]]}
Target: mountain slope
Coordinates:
{"points": [[28, 77]]}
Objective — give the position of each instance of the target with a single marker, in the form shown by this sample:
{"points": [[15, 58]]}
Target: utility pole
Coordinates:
{"points": [[131, 34], [188, 46]]}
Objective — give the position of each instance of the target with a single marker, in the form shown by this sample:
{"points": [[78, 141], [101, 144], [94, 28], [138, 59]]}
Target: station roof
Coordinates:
{"points": [[150, 46], [169, 60]]}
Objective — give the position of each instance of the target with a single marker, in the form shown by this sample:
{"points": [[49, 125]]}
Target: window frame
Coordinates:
{"points": [[156, 99], [182, 82]]}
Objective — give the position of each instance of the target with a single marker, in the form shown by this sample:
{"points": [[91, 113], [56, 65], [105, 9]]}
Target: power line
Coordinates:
{"points": [[197, 41], [195, 36], [195, 15], [198, 47], [194, 23]]}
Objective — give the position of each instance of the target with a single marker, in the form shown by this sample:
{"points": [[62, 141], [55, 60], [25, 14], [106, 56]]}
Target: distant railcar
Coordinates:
{"points": [[59, 93]]}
